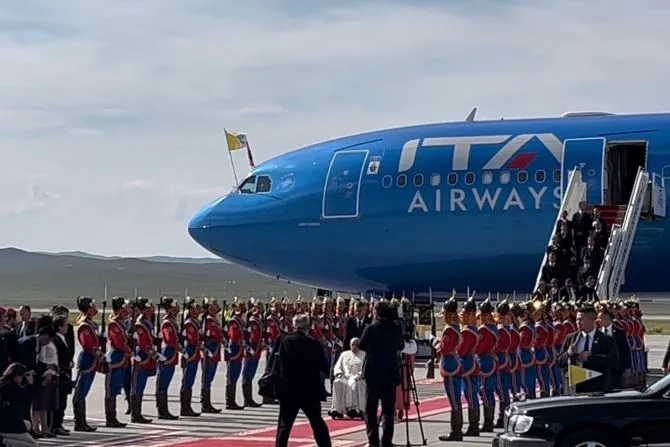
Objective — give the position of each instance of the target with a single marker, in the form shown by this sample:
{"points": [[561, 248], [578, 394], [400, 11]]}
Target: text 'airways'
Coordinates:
{"points": [[494, 199]]}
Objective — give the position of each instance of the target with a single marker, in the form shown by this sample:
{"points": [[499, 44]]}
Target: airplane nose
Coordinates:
{"points": [[200, 224]]}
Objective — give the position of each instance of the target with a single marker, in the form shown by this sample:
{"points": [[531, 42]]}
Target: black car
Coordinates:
{"points": [[620, 419]]}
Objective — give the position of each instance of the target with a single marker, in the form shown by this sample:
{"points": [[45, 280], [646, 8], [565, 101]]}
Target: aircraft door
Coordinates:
{"points": [[658, 195], [589, 155], [341, 192]]}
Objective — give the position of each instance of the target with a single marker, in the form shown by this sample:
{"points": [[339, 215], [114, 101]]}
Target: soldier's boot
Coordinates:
{"points": [[500, 422], [185, 400], [473, 423], [489, 413], [80, 418], [110, 414], [230, 398], [206, 401], [162, 407], [456, 428], [248, 396], [136, 413]]}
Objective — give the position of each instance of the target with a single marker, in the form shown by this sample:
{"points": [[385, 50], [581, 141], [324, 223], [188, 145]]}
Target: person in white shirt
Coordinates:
{"points": [[348, 387]]}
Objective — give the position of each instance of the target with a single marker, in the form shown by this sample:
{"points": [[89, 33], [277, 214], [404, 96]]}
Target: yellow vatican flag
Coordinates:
{"points": [[577, 374], [235, 141]]}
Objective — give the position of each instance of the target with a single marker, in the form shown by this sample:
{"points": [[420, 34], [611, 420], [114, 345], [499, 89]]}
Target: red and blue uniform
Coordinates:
{"points": [[503, 349], [87, 362], [144, 360], [470, 366], [515, 368], [528, 370], [450, 364], [212, 342], [488, 362], [118, 355], [252, 356], [236, 346], [542, 346], [170, 349], [191, 354]]}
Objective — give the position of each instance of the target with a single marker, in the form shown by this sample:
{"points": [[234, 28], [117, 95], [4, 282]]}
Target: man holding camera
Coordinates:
{"points": [[381, 341]]}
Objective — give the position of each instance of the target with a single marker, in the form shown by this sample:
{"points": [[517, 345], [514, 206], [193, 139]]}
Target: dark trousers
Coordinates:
{"points": [[374, 393], [617, 380], [288, 411], [58, 415], [127, 382]]}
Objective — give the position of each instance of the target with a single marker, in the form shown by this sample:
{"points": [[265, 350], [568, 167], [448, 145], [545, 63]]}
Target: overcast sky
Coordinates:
{"points": [[111, 111]]}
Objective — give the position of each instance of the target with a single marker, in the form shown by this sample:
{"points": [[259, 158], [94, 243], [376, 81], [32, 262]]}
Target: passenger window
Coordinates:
{"points": [[452, 179], [557, 175], [469, 178], [418, 180], [504, 177], [264, 184], [540, 176], [487, 178], [522, 176], [387, 181], [435, 180], [248, 186], [402, 180]]}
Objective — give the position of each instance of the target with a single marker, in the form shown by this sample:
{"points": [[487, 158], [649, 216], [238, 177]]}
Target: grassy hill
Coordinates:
{"points": [[43, 279]]}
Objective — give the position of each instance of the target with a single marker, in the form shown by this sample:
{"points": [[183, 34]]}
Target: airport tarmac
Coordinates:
{"points": [[255, 427]]}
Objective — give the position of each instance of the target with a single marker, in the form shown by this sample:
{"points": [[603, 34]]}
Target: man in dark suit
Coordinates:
{"points": [[593, 253], [26, 326], [581, 225], [587, 292], [568, 292], [552, 270], [9, 343], [355, 324], [29, 348], [382, 342], [65, 364], [301, 365], [590, 349], [623, 365]]}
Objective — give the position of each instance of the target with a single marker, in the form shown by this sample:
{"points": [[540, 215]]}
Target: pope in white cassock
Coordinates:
{"points": [[349, 387]]}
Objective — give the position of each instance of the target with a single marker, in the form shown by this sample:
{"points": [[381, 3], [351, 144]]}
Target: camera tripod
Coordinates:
{"points": [[408, 387]]}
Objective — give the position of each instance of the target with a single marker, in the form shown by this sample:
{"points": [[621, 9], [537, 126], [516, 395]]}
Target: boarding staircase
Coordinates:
{"points": [[647, 200], [574, 193]]}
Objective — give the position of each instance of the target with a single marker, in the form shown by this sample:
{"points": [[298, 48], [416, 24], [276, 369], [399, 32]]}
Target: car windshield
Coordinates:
{"points": [[658, 386]]}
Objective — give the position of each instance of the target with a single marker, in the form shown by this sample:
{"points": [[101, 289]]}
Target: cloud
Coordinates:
{"points": [[95, 96]]}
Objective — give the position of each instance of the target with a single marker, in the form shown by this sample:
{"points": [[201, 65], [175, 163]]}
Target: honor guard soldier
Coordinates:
{"points": [[326, 321], [252, 353], [130, 325], [450, 367], [542, 345], [212, 342], [272, 333], [190, 357], [144, 360], [170, 349], [288, 312], [236, 345], [118, 358], [516, 369], [526, 352], [88, 361], [488, 362], [470, 365], [503, 348], [560, 334]]}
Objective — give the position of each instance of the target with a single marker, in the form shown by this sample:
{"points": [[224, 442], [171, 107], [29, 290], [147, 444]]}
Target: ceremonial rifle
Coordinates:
{"points": [[158, 338], [103, 335], [430, 369], [224, 330]]}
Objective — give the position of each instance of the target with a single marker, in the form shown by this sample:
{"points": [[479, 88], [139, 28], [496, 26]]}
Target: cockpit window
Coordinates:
{"points": [[248, 186], [256, 184], [264, 184]]}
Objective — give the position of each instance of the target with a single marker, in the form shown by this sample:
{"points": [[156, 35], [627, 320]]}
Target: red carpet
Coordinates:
{"points": [[301, 435]]}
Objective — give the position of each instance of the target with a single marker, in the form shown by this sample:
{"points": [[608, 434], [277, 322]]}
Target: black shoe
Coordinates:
{"points": [[60, 431]]}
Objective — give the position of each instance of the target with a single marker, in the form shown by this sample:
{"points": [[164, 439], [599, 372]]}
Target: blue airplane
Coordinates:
{"points": [[442, 206]]}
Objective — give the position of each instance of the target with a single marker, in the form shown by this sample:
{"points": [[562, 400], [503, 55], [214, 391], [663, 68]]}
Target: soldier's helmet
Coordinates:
{"points": [[470, 305], [327, 304], [212, 305], [142, 303], [450, 306], [486, 307], [316, 304], [516, 309], [168, 303], [238, 305], [118, 303], [503, 307], [85, 303]]}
